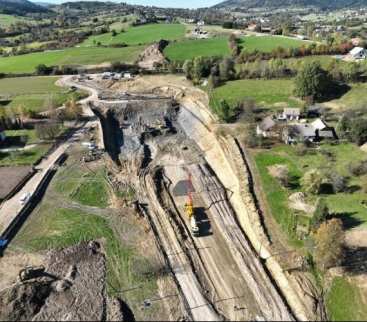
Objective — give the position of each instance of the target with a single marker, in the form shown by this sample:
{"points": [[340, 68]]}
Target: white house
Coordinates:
{"points": [[319, 124], [290, 114], [358, 53]]}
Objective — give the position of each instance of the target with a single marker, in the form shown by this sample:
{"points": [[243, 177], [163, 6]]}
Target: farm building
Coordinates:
{"points": [[309, 132], [358, 53], [290, 114]]}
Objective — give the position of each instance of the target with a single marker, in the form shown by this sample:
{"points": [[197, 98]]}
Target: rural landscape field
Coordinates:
{"points": [[165, 164]]}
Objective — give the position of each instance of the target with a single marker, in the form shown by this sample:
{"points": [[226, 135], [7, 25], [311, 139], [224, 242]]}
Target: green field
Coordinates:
{"points": [[71, 56], [29, 134], [268, 93], [218, 46], [34, 92], [7, 20], [145, 34], [346, 205], [355, 98], [129, 266], [191, 48], [92, 190], [26, 157], [268, 43], [344, 301]]}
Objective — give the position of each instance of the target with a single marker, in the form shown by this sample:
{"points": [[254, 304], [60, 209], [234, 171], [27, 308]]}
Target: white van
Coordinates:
{"points": [[25, 198]]}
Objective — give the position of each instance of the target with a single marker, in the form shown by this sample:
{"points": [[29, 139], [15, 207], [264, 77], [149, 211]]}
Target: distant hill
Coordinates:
{"points": [[321, 4], [20, 7]]}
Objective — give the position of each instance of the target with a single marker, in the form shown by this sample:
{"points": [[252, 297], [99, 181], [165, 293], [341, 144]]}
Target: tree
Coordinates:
{"points": [[72, 111], [47, 131], [351, 72], [311, 181], [114, 33], [283, 175], [213, 82], [225, 111], [312, 81], [329, 240], [187, 68], [320, 214], [226, 69], [358, 132], [42, 69], [343, 126], [337, 181]]}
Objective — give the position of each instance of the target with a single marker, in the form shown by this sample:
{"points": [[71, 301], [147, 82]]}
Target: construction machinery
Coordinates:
{"points": [[31, 272], [189, 207]]}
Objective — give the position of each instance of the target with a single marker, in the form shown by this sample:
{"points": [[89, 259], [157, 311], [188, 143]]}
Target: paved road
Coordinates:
{"points": [[10, 209], [24, 148]]}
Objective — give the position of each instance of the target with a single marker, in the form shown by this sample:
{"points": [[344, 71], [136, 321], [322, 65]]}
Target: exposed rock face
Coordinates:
{"points": [[72, 288], [153, 56]]}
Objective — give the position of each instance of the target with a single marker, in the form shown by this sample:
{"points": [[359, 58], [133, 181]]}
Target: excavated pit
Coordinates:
{"points": [[218, 274]]}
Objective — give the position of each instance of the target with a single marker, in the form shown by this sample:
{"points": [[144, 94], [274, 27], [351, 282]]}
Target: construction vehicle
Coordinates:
{"points": [[31, 272], [189, 208]]}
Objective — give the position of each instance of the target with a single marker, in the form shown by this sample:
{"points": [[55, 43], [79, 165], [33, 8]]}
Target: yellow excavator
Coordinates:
{"points": [[189, 208]]}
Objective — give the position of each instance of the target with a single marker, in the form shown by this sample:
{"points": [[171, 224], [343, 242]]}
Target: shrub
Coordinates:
{"points": [[329, 240], [320, 214], [358, 169], [312, 181]]}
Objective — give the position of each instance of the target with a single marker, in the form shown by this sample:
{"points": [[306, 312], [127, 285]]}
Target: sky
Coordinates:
{"points": [[160, 3]]}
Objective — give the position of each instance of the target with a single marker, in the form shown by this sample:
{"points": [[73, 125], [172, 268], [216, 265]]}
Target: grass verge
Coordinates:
{"points": [[344, 301]]}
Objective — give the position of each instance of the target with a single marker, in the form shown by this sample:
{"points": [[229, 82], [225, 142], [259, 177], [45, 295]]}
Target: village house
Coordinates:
{"points": [[267, 128], [290, 114], [357, 53], [308, 132]]}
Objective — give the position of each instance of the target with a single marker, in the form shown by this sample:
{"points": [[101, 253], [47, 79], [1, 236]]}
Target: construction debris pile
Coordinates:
{"points": [[71, 286]]}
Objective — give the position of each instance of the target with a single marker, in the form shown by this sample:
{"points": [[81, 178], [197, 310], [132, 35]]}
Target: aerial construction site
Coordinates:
{"points": [[193, 190]]}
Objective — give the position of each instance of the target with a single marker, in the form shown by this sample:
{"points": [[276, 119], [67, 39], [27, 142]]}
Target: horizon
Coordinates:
{"points": [[192, 4]]}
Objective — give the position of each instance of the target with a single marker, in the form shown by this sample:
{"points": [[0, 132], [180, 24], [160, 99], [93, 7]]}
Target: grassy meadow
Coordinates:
{"points": [[268, 43], [347, 205], [70, 56], [190, 48], [33, 93], [26, 157], [7, 20], [344, 301], [268, 93], [145, 34], [218, 46]]}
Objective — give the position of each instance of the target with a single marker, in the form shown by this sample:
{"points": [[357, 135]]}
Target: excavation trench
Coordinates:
{"points": [[218, 274]]}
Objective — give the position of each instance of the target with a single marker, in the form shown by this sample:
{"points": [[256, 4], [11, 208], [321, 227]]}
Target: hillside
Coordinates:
{"points": [[19, 7], [322, 4]]}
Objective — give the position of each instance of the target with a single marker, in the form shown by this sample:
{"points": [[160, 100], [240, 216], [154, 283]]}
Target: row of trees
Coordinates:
{"points": [[294, 52]]}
